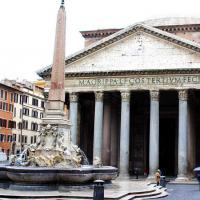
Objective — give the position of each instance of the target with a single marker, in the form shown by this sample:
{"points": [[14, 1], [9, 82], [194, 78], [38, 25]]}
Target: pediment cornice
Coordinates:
{"points": [[126, 73], [121, 35]]}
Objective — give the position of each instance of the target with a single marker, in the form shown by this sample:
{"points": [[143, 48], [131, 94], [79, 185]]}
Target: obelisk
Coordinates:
{"points": [[54, 114]]}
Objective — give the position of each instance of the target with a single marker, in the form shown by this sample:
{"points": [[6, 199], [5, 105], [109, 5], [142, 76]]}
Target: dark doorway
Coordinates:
{"points": [[111, 128], [86, 109], [168, 129], [194, 109], [167, 146], [139, 133]]}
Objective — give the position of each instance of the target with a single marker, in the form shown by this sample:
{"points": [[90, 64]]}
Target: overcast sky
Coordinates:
{"points": [[27, 27]]}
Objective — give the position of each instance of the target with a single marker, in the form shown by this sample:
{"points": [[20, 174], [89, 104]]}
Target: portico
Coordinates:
{"points": [[134, 100], [141, 130]]}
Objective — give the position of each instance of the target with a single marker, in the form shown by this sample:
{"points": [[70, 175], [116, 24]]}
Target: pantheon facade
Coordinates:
{"points": [[134, 96]]}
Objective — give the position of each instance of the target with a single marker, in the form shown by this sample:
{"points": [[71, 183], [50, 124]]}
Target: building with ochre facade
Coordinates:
{"points": [[27, 115], [6, 117]]}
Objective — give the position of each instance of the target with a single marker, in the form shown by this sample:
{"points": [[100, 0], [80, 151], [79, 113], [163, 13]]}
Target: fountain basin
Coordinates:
{"points": [[38, 175], [3, 172]]}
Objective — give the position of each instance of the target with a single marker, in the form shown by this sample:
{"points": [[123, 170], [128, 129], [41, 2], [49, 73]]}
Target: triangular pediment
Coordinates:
{"points": [[139, 51], [135, 48]]}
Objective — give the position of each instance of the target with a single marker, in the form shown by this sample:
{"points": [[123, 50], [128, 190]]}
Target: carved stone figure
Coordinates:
{"points": [[97, 162], [51, 150]]}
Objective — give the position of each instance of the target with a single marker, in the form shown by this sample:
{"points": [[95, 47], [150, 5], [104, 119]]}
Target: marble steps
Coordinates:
{"points": [[158, 192], [126, 193]]}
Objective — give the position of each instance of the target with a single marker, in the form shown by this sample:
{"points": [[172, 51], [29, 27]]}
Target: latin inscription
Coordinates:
{"points": [[134, 81]]}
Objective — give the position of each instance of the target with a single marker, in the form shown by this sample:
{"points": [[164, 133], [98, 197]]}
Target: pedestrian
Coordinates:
{"points": [[157, 177]]}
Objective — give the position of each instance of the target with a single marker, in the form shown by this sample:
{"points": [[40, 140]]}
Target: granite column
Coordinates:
{"points": [[124, 133], [154, 133], [98, 126], [182, 136]]}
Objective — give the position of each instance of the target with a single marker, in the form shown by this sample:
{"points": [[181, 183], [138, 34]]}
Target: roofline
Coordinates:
{"points": [[99, 32], [183, 71], [125, 33], [10, 87]]}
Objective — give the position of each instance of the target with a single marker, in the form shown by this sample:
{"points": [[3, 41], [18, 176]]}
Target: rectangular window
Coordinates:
{"points": [[4, 138], [35, 102], [34, 126], [26, 111], [15, 112], [1, 137], [35, 139], [11, 97], [14, 138], [22, 138], [3, 123], [25, 139], [25, 124], [25, 99], [10, 107], [4, 106], [31, 139], [2, 94], [14, 124], [21, 99], [41, 115], [1, 105], [5, 95], [9, 138], [11, 124], [34, 113], [15, 98], [19, 125], [42, 104]]}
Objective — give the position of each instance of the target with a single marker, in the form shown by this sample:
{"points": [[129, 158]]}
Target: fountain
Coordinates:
{"points": [[54, 160]]}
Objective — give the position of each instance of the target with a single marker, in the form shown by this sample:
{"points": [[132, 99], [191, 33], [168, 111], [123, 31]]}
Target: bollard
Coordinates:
{"points": [[197, 171], [198, 178], [162, 181], [98, 190]]}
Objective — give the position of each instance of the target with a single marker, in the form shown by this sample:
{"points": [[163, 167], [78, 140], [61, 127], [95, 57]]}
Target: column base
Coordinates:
{"points": [[123, 176], [181, 179], [151, 177]]}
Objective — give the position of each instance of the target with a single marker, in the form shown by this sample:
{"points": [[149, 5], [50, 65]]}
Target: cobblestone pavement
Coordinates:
{"points": [[182, 192]]}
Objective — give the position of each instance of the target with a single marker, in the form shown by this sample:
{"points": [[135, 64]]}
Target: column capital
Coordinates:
{"points": [[73, 97], [183, 95], [125, 95], [154, 95], [98, 96]]}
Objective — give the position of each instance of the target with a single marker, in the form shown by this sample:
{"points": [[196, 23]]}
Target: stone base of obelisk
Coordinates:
{"points": [[61, 123], [55, 116]]}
